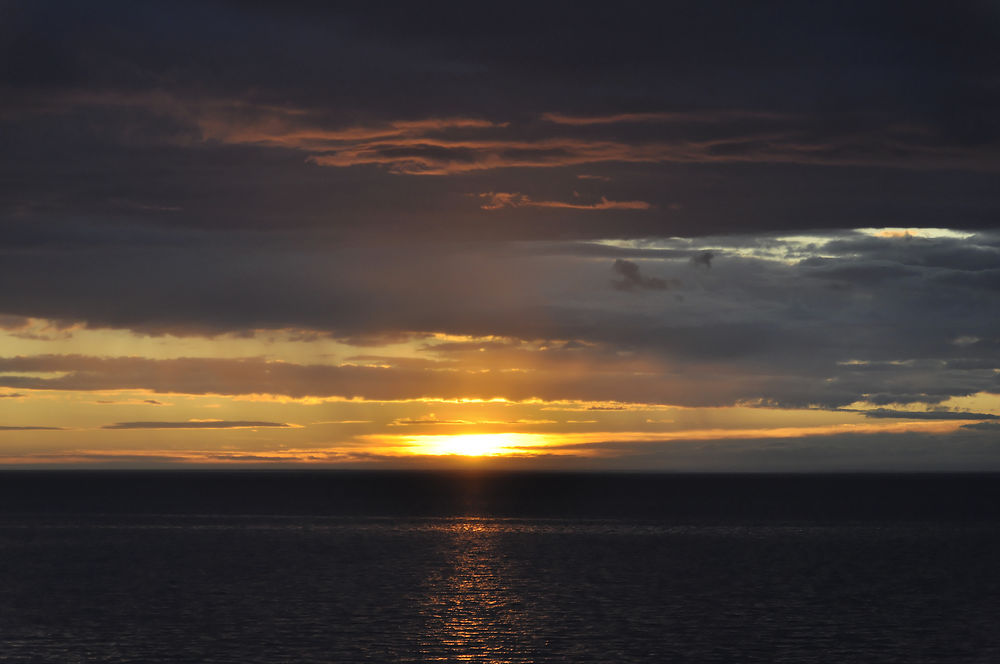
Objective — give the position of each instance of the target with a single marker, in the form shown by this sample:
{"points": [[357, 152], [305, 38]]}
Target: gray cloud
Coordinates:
{"points": [[196, 186], [989, 427], [632, 280], [967, 450], [181, 133], [928, 414], [703, 258], [159, 175], [783, 338], [13, 322]]}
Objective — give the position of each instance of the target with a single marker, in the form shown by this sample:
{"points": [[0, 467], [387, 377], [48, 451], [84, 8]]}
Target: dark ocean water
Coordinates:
{"points": [[395, 567]]}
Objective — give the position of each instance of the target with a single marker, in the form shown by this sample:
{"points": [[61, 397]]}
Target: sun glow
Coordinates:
{"points": [[476, 444]]}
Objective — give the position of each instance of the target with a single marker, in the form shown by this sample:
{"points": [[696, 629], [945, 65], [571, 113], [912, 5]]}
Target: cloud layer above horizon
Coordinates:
{"points": [[700, 236]]}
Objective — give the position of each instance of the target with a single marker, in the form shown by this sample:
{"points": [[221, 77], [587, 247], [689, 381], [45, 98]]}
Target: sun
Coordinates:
{"points": [[475, 444]]}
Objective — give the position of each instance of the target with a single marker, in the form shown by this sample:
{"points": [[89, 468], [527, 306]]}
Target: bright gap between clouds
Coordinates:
{"points": [[476, 444], [591, 443]]}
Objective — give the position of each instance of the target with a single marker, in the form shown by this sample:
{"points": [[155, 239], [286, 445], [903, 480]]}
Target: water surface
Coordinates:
{"points": [[497, 568]]}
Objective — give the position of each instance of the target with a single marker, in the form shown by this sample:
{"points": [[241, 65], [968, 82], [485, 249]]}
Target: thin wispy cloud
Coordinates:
{"points": [[449, 145], [706, 116], [499, 200], [198, 424]]}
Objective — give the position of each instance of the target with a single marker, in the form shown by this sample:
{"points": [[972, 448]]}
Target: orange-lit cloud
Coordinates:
{"points": [[664, 117], [565, 374], [546, 375], [457, 144]]}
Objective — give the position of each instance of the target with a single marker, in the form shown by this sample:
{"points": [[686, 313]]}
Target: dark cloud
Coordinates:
{"points": [[226, 127], [965, 451], [13, 322], [989, 427], [783, 338], [781, 54], [558, 377], [928, 414], [704, 258], [631, 279], [498, 200], [681, 371], [216, 167], [904, 250], [861, 273]]}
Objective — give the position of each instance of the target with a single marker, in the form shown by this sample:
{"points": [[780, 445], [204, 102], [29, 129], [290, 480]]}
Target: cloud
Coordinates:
{"points": [[441, 156], [131, 402], [224, 141], [704, 258], [926, 414], [426, 155], [557, 375], [14, 322], [631, 279], [171, 181], [659, 117], [16, 428], [862, 273], [782, 338], [343, 422], [500, 200], [983, 426], [197, 424], [428, 419], [456, 144]]}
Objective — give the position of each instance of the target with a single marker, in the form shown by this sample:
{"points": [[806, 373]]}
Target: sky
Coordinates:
{"points": [[677, 236]]}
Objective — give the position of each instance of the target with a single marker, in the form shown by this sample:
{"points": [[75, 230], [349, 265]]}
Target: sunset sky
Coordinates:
{"points": [[682, 236]]}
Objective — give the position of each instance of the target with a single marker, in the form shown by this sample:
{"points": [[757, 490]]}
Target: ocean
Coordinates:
{"points": [[289, 566]]}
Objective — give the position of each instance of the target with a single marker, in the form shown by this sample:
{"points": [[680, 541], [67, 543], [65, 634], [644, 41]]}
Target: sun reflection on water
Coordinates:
{"points": [[472, 613]]}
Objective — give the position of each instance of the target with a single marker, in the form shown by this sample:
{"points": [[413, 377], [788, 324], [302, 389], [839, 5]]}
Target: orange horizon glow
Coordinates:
{"points": [[387, 447], [414, 410], [476, 444]]}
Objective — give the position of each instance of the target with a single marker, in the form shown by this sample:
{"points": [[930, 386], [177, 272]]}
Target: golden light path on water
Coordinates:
{"points": [[471, 608]]}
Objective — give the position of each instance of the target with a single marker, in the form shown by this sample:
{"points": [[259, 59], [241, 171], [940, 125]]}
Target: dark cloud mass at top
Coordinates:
{"points": [[371, 171], [275, 116]]}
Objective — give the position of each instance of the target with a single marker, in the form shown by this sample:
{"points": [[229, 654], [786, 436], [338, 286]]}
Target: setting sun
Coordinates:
{"points": [[476, 444]]}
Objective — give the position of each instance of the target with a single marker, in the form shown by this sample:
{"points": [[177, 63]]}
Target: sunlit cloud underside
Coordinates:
{"points": [[803, 350]]}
